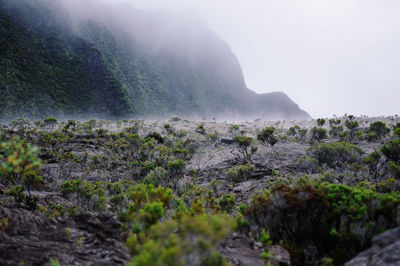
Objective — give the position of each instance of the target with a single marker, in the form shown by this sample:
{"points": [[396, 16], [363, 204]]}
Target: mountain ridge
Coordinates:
{"points": [[121, 64]]}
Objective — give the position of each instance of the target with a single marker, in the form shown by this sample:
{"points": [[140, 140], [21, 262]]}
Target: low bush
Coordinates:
{"points": [[336, 154], [189, 240], [315, 219], [239, 173]]}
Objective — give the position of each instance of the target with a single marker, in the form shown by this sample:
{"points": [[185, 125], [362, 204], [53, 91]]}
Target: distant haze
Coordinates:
{"points": [[329, 56]]}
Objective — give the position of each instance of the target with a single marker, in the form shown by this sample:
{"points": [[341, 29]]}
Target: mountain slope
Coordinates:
{"points": [[47, 71], [115, 61]]}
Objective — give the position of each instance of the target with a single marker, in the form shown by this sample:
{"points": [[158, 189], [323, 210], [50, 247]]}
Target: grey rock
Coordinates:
{"points": [[385, 251]]}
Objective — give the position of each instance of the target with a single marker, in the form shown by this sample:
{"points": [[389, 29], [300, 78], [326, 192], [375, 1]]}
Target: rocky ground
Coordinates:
{"points": [[88, 195]]}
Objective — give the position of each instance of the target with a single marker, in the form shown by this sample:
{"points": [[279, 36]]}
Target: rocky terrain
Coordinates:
{"points": [[182, 192]]}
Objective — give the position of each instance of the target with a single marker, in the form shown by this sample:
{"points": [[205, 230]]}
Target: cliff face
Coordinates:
{"points": [[117, 61], [47, 70]]}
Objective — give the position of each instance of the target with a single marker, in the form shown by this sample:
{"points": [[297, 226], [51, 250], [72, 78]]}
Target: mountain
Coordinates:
{"points": [[70, 57]]}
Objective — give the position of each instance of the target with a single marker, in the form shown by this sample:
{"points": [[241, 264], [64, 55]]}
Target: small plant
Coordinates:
{"points": [[320, 122], [234, 130], [267, 137], [176, 170], [293, 131], [303, 133], [335, 126], [336, 154], [168, 128], [244, 147], [391, 150], [352, 124], [372, 161], [19, 165], [240, 173], [200, 129], [50, 122], [54, 262], [377, 130], [227, 202], [318, 133], [151, 213]]}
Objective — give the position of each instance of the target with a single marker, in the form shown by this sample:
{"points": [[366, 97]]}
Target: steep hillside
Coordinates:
{"points": [[46, 70], [115, 61]]}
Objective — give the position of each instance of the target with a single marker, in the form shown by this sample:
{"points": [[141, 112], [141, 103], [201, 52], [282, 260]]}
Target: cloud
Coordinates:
{"points": [[331, 57]]}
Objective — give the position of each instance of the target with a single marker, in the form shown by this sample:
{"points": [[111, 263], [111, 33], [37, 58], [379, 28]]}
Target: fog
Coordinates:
{"points": [[330, 57]]}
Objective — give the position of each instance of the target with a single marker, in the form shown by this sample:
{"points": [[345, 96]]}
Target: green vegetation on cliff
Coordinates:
{"points": [[55, 62]]}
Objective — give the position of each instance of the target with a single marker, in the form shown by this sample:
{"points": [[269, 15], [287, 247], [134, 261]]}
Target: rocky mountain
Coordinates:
{"points": [[87, 57]]}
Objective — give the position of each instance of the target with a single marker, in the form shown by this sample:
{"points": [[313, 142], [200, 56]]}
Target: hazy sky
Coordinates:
{"points": [[329, 56]]}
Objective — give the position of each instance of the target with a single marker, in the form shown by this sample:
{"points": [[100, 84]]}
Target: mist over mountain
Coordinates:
{"points": [[89, 57]]}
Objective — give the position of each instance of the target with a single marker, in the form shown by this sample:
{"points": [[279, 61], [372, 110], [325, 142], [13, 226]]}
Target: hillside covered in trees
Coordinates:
{"points": [[106, 60]]}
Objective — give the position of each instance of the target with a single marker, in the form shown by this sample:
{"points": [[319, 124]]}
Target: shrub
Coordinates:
{"points": [[168, 128], [87, 194], [50, 122], [397, 132], [142, 194], [318, 133], [372, 161], [320, 122], [156, 177], [293, 130], [391, 150], [200, 129], [185, 241], [234, 129], [176, 170], [19, 165], [151, 213], [377, 130], [267, 137], [336, 130], [244, 147], [239, 173], [227, 202], [335, 154], [303, 133], [352, 126], [330, 219]]}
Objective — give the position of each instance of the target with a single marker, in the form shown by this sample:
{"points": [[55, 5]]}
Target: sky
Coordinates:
{"points": [[330, 56]]}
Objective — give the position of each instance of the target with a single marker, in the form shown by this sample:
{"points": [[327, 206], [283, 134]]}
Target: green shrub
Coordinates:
{"points": [[244, 147], [156, 177], [176, 171], [227, 202], [320, 122], [19, 165], [293, 130], [377, 130], [267, 137], [87, 194], [234, 129], [318, 134], [372, 161], [391, 150], [185, 241], [200, 129], [240, 173], [352, 126], [152, 212], [303, 133], [335, 220], [335, 154], [168, 128], [397, 132], [50, 122]]}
